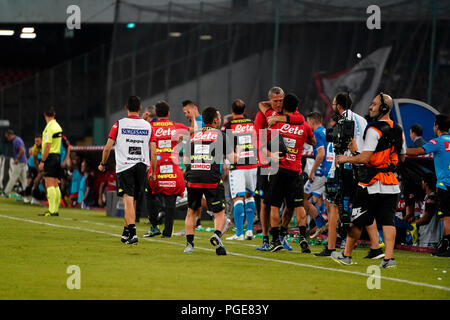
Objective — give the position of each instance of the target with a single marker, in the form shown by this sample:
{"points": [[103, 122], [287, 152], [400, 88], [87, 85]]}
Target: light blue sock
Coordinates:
{"points": [[380, 236], [319, 221], [238, 213], [250, 212]]}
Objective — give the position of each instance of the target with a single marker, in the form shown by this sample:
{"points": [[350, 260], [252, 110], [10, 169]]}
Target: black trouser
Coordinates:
{"points": [[154, 206], [169, 203]]}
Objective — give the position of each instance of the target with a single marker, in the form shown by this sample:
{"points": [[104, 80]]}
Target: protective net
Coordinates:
{"points": [[215, 51]]}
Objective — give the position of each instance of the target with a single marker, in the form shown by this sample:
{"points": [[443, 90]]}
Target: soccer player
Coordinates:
{"points": [[165, 176], [51, 161], [378, 187], [191, 113], [204, 177], [241, 135], [131, 135], [286, 184], [440, 148], [315, 186]]}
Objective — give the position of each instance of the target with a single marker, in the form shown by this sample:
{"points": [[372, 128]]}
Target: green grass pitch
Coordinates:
{"points": [[35, 253]]}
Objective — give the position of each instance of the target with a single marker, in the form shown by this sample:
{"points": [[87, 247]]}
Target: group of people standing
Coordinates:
{"points": [[264, 158]]}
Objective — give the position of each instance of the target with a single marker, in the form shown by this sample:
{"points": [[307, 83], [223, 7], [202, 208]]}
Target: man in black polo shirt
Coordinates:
{"points": [[204, 177]]}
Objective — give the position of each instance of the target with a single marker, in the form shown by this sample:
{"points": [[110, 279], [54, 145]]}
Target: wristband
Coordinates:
{"points": [[355, 153], [288, 120], [103, 164]]}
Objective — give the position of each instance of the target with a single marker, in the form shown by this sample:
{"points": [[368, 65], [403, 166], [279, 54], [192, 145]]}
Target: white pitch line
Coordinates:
{"points": [[237, 254]]}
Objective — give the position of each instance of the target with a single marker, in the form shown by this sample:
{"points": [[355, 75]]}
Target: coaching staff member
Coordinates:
{"points": [[440, 148], [132, 138], [204, 177], [378, 187]]}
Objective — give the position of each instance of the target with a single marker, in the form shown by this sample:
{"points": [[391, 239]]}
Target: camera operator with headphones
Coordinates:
{"points": [[341, 184], [378, 187]]}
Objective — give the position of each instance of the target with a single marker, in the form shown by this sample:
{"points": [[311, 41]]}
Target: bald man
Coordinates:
{"points": [[378, 187]]}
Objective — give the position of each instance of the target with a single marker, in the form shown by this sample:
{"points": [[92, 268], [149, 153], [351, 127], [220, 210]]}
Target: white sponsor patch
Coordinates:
{"points": [[201, 149], [167, 184], [164, 143], [290, 143], [200, 166], [245, 139], [166, 169]]}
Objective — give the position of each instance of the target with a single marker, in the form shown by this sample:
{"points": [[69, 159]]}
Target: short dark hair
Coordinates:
{"points": [[238, 106], [430, 179], [443, 122], [290, 102], [186, 102], [209, 114], [38, 135], [344, 100], [9, 132], [162, 108], [50, 112], [134, 103], [417, 129], [316, 116]]}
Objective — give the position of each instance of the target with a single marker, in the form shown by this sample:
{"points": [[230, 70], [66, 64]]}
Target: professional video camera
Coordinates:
{"points": [[341, 134]]}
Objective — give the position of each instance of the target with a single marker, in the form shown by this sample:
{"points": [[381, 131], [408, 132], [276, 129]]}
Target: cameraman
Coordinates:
{"points": [[342, 104], [378, 187]]}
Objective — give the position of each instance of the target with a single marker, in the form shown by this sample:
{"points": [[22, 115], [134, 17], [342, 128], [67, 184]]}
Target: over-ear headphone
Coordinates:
{"points": [[384, 108]]}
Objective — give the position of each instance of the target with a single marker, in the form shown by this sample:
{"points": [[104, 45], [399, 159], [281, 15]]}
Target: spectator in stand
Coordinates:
{"points": [[85, 187], [33, 164], [428, 224], [415, 133], [18, 168], [440, 148], [111, 187], [75, 180]]}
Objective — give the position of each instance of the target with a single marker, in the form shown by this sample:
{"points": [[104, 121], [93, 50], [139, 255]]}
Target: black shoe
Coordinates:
{"points": [[125, 236], [375, 254], [216, 242], [441, 248], [48, 214], [325, 253], [165, 236], [275, 245], [304, 245], [132, 240], [443, 254]]}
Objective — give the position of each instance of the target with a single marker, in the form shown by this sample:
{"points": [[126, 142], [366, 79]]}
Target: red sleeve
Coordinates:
{"points": [[260, 121], [181, 126], [113, 132], [296, 118], [152, 135], [309, 132], [270, 113]]}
